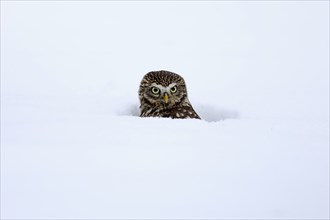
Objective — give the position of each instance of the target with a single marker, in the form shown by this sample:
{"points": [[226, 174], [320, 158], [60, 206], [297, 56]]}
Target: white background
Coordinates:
{"points": [[257, 73]]}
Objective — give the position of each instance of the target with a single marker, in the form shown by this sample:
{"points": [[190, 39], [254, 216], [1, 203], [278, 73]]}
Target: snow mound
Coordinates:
{"points": [[214, 114], [129, 110], [206, 112]]}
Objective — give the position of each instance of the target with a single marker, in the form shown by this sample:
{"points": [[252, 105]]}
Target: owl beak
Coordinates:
{"points": [[166, 98]]}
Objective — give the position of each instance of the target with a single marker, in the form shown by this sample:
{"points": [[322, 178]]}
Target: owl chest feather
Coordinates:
{"points": [[180, 111]]}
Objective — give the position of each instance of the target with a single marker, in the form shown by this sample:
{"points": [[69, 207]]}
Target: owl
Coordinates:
{"points": [[164, 94]]}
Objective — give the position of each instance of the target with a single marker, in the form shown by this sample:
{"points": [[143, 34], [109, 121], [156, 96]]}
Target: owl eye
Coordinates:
{"points": [[173, 89], [155, 90]]}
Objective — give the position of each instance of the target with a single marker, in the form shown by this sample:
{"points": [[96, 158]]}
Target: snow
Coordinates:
{"points": [[73, 146]]}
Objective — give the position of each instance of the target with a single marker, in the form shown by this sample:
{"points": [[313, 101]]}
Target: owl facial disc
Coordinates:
{"points": [[164, 94]]}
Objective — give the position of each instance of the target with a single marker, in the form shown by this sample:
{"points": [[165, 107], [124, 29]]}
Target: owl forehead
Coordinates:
{"points": [[163, 78]]}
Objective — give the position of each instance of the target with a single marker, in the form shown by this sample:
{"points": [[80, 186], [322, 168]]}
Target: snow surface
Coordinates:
{"points": [[72, 145]]}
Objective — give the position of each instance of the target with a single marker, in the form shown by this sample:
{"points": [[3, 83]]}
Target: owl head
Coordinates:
{"points": [[162, 89], [164, 94]]}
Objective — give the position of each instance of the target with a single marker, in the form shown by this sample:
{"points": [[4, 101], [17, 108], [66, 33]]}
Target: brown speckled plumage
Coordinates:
{"points": [[153, 103]]}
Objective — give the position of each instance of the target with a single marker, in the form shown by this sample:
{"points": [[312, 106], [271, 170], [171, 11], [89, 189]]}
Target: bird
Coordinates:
{"points": [[164, 94]]}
